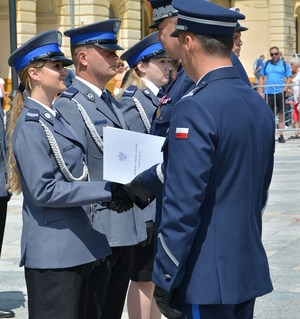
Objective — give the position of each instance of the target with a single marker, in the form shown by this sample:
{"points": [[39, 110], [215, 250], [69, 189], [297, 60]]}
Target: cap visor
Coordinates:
{"points": [[175, 34], [64, 60], [108, 46], [241, 28], [159, 56], [155, 24]]}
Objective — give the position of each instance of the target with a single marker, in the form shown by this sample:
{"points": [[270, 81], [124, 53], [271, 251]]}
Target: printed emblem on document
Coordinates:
{"points": [[122, 156]]}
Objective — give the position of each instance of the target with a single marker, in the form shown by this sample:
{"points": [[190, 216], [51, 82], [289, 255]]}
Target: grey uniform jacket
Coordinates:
{"points": [[123, 229], [57, 232], [3, 159], [138, 107]]}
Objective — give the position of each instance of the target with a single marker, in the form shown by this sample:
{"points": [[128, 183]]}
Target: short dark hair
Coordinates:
{"points": [[220, 46], [276, 48]]}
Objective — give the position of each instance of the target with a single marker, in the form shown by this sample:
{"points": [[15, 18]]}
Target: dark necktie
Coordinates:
{"points": [[160, 93], [105, 98]]}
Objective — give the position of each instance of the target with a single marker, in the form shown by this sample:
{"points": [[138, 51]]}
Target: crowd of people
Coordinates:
{"points": [[278, 82], [183, 238]]}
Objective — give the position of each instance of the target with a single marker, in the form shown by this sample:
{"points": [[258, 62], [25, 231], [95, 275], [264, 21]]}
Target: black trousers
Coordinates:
{"points": [[3, 213], [108, 285], [57, 293], [243, 310]]}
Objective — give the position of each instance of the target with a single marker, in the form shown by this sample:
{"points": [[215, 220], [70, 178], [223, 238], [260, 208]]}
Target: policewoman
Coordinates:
{"points": [[149, 71], [210, 260], [47, 163], [4, 195], [89, 107]]}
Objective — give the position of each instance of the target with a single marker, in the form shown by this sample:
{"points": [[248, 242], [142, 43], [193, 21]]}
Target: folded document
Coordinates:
{"points": [[128, 153]]}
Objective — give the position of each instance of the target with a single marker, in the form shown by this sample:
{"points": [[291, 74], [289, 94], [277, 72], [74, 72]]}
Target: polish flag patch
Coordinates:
{"points": [[182, 132]]}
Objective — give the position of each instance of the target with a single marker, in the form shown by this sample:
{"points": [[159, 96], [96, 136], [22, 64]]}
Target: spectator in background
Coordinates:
{"points": [[277, 72], [293, 93], [257, 65], [121, 70]]}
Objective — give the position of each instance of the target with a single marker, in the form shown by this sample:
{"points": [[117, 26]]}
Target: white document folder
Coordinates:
{"points": [[128, 153]]}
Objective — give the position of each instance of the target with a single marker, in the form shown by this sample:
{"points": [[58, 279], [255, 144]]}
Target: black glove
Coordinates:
{"points": [[121, 199], [163, 301], [149, 231], [136, 188]]}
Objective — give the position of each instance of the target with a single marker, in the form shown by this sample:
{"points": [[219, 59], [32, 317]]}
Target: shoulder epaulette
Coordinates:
{"points": [[195, 90], [32, 115], [70, 92], [146, 91], [130, 91]]}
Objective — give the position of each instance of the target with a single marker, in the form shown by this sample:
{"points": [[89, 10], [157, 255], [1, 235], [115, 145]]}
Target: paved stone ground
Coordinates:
{"points": [[281, 236]]}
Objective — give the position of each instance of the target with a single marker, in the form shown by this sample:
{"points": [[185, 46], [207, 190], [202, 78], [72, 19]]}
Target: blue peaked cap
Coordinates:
{"points": [[44, 46], [102, 34], [206, 18], [238, 26], [148, 47], [161, 9]]}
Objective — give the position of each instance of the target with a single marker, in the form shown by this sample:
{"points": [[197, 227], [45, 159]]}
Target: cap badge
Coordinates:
{"points": [[59, 38], [90, 96], [116, 26]]}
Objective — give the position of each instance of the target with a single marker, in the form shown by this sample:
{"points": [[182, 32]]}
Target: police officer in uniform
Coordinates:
{"points": [[210, 261], [149, 72], [150, 182], [237, 41], [4, 196], [89, 107], [47, 163]]}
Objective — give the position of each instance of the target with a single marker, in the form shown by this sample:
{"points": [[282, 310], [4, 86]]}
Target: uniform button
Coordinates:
{"points": [[168, 277]]}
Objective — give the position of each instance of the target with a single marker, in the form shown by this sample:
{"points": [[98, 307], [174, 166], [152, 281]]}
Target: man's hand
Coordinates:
{"points": [[163, 301], [149, 231], [136, 188], [121, 199]]}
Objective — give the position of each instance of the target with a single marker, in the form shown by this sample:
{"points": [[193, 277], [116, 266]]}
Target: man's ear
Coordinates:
{"points": [[82, 57], [188, 41], [185, 40]]}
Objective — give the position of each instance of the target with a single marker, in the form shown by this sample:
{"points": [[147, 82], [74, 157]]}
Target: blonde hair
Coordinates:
{"points": [[13, 183], [133, 78]]}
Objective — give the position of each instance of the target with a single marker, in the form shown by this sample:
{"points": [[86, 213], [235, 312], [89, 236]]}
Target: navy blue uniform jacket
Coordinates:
{"points": [[176, 90], [216, 181]]}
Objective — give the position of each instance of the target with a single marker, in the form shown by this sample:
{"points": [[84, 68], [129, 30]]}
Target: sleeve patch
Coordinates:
{"points": [[182, 133]]}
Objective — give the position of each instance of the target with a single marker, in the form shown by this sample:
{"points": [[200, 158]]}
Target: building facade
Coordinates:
{"points": [[270, 22]]}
